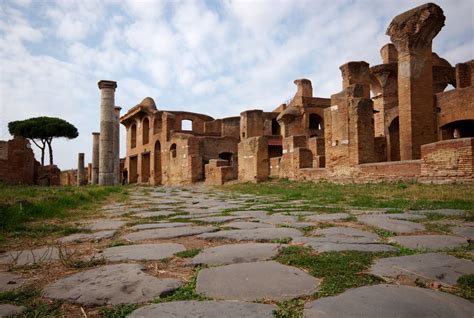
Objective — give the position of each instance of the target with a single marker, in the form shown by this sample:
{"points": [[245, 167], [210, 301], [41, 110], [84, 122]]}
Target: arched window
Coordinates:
{"points": [[173, 150], [187, 125], [315, 122], [133, 136], [145, 131]]}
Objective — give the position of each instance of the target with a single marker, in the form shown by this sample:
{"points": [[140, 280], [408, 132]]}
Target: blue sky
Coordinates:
{"points": [[212, 57]]}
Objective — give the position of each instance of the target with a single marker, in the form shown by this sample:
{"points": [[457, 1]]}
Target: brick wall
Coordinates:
{"points": [[448, 161], [17, 162]]}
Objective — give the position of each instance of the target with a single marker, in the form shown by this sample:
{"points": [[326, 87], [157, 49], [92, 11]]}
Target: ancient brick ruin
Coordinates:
{"points": [[392, 121]]}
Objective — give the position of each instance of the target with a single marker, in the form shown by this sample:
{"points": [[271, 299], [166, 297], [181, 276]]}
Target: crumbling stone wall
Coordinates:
{"points": [[17, 162], [352, 137]]}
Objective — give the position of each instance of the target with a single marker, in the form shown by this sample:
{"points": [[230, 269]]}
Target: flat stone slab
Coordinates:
{"points": [[338, 234], [219, 219], [151, 214], [85, 237], [320, 245], [7, 310], [10, 281], [405, 216], [445, 212], [253, 234], [205, 309], [236, 253], [168, 233], [149, 226], [100, 225], [110, 285], [328, 217], [140, 252], [465, 231], [390, 301], [430, 266], [392, 225], [28, 257], [242, 225], [429, 242], [277, 219], [256, 281], [301, 225]]}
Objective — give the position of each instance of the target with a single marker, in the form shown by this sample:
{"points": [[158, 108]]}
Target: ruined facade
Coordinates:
{"points": [[18, 165], [392, 121]]}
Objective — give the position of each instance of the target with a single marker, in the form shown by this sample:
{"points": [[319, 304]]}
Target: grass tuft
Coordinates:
{"points": [[118, 311], [188, 253], [339, 270], [185, 292]]}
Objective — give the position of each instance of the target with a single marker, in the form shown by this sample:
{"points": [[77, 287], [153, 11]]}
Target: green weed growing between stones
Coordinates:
{"points": [[185, 292], [118, 311], [188, 253], [30, 298], [290, 309], [339, 270]]}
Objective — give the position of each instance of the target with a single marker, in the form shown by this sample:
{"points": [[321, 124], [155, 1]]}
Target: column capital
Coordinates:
{"points": [[96, 133], [416, 28], [107, 84]]}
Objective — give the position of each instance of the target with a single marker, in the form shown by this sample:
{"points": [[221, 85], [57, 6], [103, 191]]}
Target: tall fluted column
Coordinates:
{"points": [[412, 33], [80, 169], [95, 157], [117, 144], [107, 119]]}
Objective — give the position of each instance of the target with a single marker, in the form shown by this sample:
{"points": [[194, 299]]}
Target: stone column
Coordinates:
{"points": [[80, 169], [412, 33], [107, 119], [95, 157], [117, 144]]}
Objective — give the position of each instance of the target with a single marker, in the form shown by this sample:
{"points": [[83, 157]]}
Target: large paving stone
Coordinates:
{"points": [[322, 245], [100, 225], [429, 266], [277, 219], [465, 231], [445, 212], [149, 226], [168, 233], [405, 216], [110, 285], [253, 234], [219, 219], [151, 214], [28, 257], [339, 234], [430, 242], [236, 253], [7, 310], [139, 252], [204, 309], [328, 217], [243, 225], [10, 281], [390, 301], [85, 237], [392, 225], [255, 281]]}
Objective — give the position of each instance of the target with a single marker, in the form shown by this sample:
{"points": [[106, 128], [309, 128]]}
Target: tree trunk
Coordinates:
{"points": [[42, 149], [50, 151]]}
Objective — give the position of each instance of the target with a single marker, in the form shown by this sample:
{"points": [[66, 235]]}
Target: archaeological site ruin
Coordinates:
{"points": [[390, 122]]}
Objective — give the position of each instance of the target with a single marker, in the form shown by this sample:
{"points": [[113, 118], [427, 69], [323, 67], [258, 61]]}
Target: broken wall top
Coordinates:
{"points": [[417, 27]]}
